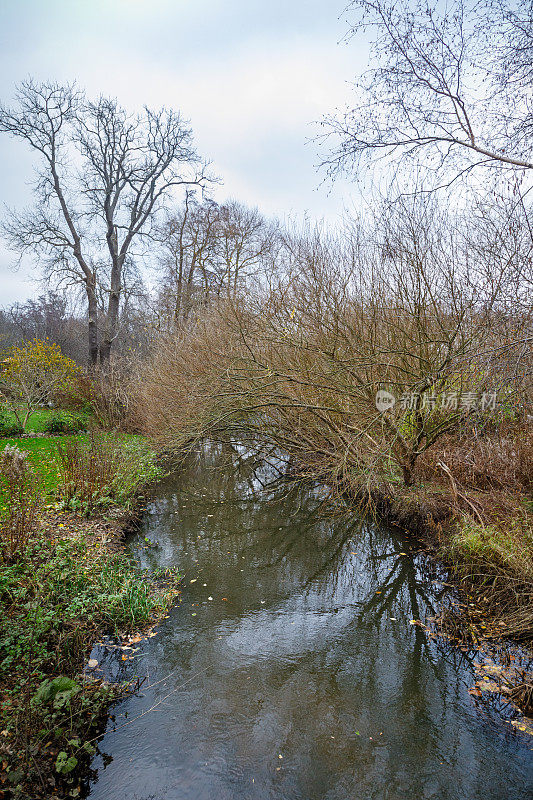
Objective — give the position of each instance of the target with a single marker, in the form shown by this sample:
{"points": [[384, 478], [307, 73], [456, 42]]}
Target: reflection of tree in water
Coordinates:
{"points": [[263, 496], [359, 704]]}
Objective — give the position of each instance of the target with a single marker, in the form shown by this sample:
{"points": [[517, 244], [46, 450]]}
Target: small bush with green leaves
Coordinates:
{"points": [[66, 422], [9, 425]]}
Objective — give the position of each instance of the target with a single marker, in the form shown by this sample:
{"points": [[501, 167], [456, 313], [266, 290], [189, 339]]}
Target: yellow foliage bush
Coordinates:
{"points": [[30, 376]]}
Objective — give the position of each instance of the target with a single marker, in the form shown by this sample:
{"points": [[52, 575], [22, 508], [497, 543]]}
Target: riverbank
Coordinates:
{"points": [[62, 584]]}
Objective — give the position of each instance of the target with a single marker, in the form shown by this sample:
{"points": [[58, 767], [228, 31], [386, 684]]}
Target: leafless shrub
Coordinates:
{"points": [[397, 306], [102, 469], [110, 395], [500, 460], [20, 501]]}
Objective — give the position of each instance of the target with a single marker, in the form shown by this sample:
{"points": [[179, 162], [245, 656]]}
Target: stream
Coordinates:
{"points": [[290, 667]]}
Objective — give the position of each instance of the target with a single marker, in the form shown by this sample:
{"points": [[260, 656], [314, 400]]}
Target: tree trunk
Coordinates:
{"points": [[113, 306], [93, 324], [408, 467], [28, 414]]}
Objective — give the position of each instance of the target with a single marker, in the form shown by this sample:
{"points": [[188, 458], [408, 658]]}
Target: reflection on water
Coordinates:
{"points": [[302, 677]]}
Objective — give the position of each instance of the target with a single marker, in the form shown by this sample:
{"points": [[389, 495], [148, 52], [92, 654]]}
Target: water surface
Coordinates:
{"points": [[290, 669]]}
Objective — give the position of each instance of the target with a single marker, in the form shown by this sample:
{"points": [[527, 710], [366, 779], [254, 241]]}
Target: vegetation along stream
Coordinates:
{"points": [[291, 667]]}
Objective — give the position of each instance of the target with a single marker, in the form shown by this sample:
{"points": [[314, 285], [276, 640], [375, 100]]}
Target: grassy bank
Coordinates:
{"points": [[63, 581]]}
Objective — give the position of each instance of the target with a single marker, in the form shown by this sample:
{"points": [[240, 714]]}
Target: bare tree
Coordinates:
{"points": [[246, 240], [189, 240], [210, 250], [450, 90], [103, 177]]}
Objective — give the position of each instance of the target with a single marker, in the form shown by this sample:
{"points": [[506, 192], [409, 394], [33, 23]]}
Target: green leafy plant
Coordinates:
{"points": [[58, 691], [65, 763], [65, 422], [9, 425]]}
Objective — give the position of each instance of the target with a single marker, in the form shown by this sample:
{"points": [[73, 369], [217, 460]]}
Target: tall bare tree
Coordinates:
{"points": [[246, 240], [103, 177]]}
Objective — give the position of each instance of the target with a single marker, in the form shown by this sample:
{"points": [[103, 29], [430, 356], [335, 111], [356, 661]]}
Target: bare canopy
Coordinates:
{"points": [[450, 89], [103, 175]]}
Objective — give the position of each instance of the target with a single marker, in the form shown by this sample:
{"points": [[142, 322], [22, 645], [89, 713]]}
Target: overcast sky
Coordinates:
{"points": [[252, 76]]}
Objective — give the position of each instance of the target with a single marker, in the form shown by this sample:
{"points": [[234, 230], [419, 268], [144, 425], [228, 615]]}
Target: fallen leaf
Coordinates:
{"points": [[524, 725], [488, 686]]}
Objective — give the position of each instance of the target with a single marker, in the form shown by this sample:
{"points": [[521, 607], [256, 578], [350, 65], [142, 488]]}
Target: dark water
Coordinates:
{"points": [[302, 678]]}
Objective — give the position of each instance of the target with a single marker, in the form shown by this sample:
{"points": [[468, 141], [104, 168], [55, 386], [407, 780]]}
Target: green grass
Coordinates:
{"points": [[507, 546], [37, 421], [42, 454]]}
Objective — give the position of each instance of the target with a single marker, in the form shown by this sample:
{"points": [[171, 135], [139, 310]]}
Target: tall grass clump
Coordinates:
{"points": [[20, 501], [497, 559]]}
